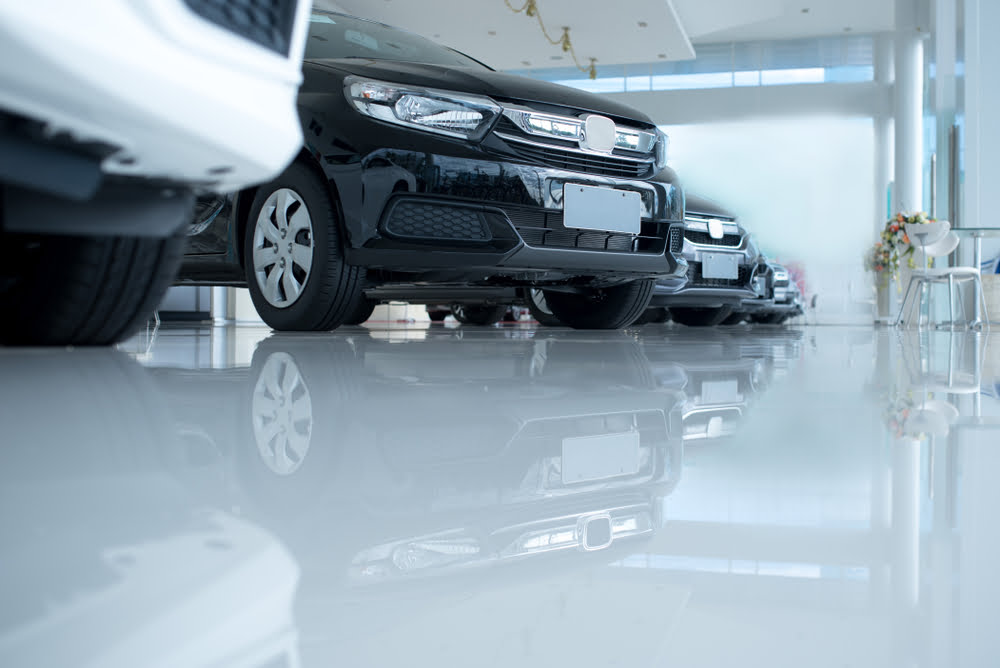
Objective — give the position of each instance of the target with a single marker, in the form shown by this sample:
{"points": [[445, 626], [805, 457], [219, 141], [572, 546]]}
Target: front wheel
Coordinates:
{"points": [[478, 314], [601, 308], [57, 290], [294, 259], [698, 316]]}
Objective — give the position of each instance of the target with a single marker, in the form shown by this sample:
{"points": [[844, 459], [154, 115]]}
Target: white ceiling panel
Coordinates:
{"points": [[627, 31]]}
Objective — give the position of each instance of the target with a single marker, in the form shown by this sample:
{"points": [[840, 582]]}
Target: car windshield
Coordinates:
{"points": [[339, 36]]}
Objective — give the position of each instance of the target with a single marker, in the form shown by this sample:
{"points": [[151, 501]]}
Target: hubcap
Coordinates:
{"points": [[282, 248], [538, 297], [282, 415]]}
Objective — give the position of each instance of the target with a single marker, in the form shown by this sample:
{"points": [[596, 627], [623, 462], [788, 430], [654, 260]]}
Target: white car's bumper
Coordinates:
{"points": [[178, 96]]}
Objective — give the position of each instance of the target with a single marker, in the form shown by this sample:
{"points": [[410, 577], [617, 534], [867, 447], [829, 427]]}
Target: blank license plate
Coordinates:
{"points": [[602, 209], [599, 457], [720, 265]]}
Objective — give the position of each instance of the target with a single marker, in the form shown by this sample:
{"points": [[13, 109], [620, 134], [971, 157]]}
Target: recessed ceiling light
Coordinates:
{"points": [[847, 29], [437, 36], [492, 33], [556, 57], [661, 55], [643, 24], [805, 10], [526, 62]]}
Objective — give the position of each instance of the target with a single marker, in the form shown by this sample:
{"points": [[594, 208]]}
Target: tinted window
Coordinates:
{"points": [[338, 36]]}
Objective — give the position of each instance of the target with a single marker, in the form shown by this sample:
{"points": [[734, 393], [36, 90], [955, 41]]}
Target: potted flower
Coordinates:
{"points": [[890, 253]]}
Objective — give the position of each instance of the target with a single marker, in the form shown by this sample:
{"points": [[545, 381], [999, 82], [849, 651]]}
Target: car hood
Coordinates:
{"points": [[706, 207], [499, 86]]}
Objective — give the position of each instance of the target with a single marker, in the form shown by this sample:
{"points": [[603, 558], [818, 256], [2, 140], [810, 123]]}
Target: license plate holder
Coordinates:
{"points": [[590, 458], [601, 209], [720, 265]]}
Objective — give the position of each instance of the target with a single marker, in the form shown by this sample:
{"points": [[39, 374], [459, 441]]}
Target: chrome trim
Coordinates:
{"points": [[703, 218], [521, 117], [521, 140]]}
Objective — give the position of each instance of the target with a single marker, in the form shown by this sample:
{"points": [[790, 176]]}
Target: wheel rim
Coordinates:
{"points": [[538, 299], [283, 248], [282, 414]]}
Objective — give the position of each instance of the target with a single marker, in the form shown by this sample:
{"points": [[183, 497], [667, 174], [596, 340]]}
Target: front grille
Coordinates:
{"points": [[676, 240], [264, 22], [435, 221], [560, 155], [704, 238], [696, 279], [545, 229], [582, 162]]}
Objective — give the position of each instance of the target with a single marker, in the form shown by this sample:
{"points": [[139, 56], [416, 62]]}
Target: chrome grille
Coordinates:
{"points": [[561, 154], [706, 239]]}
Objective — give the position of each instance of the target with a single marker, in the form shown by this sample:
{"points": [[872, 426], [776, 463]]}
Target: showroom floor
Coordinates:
{"points": [[438, 495]]}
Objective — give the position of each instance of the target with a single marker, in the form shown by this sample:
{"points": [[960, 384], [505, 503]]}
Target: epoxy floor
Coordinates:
{"points": [[445, 496]]}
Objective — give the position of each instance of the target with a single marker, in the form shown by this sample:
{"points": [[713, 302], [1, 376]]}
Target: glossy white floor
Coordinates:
{"points": [[442, 496]]}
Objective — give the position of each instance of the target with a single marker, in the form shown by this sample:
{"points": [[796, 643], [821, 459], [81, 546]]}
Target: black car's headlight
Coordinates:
{"points": [[662, 144], [442, 112]]}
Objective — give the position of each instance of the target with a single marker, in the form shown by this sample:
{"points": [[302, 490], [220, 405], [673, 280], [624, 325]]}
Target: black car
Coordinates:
{"points": [[423, 168]]}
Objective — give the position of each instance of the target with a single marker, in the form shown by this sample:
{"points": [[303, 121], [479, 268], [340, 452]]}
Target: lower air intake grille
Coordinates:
{"points": [[676, 240], [695, 278], [546, 229], [264, 22], [434, 221]]}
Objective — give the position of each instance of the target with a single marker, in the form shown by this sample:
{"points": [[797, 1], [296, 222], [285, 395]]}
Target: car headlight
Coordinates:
{"points": [[662, 144], [442, 112]]}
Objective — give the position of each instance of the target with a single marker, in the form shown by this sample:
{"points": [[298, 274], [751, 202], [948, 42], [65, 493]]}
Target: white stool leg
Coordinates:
{"points": [[902, 307]]}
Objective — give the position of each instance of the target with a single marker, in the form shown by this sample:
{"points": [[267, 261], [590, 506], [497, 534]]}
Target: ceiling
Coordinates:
{"points": [[622, 32]]}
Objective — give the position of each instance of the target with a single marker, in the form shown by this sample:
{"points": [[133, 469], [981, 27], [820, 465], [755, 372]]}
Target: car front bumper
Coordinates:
{"points": [[417, 210]]}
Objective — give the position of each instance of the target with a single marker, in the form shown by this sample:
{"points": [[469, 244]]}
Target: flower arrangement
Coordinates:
{"points": [[893, 245]]}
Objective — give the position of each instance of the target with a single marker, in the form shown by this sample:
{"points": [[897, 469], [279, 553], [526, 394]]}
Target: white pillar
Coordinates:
{"points": [[908, 95], [884, 138], [982, 124]]}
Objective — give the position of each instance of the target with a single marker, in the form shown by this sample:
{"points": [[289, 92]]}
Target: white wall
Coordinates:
{"points": [[803, 185]]}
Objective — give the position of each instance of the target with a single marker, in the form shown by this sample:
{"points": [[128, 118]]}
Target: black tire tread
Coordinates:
{"points": [[622, 305], [86, 290]]}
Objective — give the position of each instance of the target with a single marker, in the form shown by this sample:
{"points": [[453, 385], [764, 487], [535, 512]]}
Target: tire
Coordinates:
{"points": [[539, 308], [698, 316], [769, 318], [363, 310], [653, 315], [601, 308], [81, 290], [734, 319], [478, 314], [318, 297], [436, 315]]}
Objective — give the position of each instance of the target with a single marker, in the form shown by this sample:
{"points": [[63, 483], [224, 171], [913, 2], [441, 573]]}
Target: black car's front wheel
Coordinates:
{"points": [[698, 316], [293, 256], [601, 308]]}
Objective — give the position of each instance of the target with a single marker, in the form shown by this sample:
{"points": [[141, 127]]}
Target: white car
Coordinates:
{"points": [[112, 116]]}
